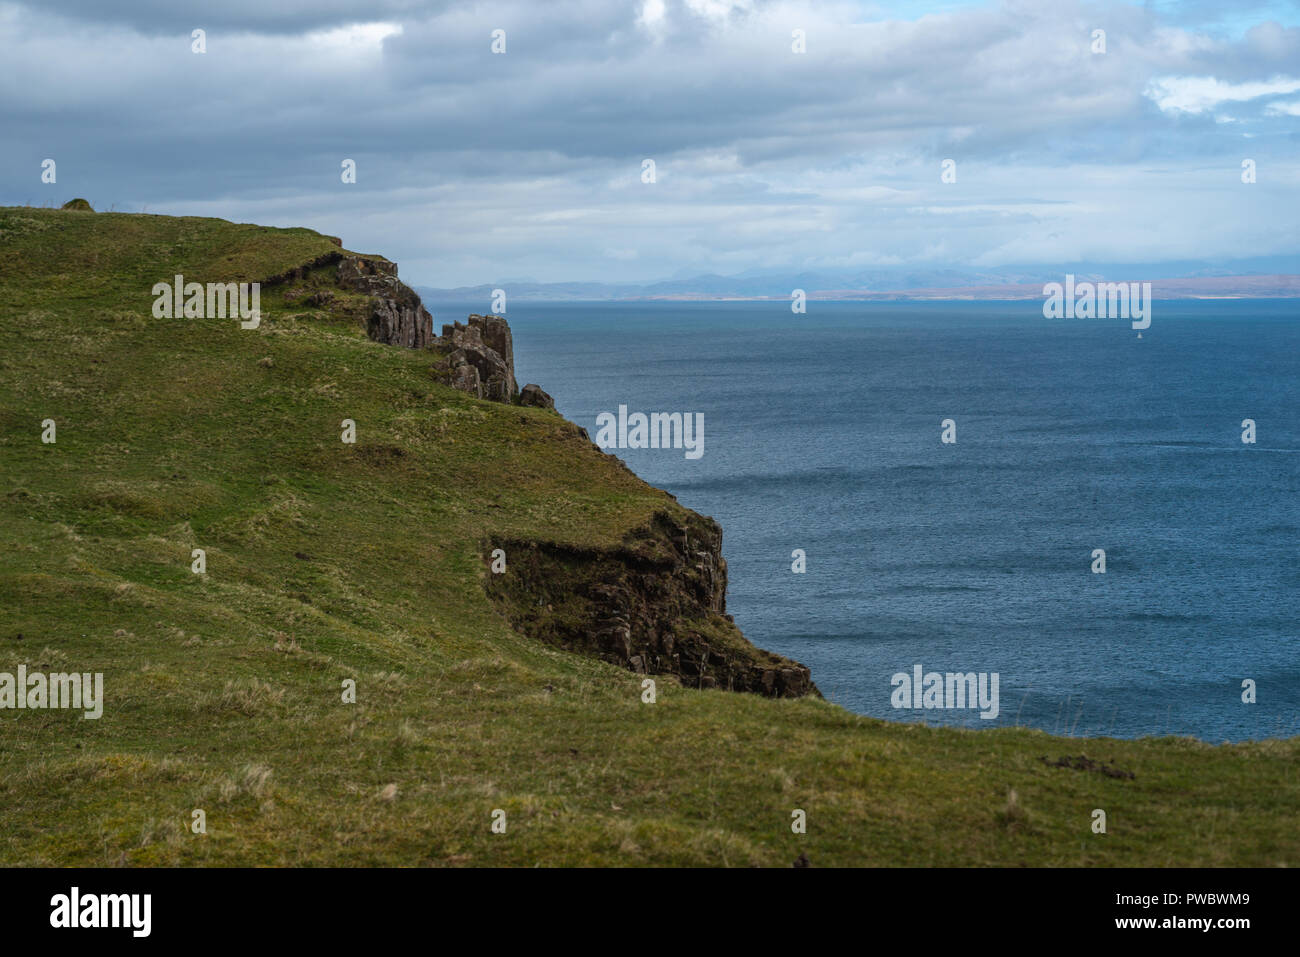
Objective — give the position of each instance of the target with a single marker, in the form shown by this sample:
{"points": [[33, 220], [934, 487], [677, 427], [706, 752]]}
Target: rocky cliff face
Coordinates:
{"points": [[480, 358], [397, 316], [478, 354], [393, 314], [655, 604]]}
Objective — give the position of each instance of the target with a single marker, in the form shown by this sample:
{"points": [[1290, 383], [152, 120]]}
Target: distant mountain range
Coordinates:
{"points": [[1261, 277]]}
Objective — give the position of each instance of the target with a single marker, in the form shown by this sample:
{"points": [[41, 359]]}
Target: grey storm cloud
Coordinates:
{"points": [[473, 165]]}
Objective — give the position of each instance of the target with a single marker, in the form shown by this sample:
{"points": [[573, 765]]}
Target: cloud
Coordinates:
{"points": [[473, 165], [167, 17], [652, 15], [1198, 94]]}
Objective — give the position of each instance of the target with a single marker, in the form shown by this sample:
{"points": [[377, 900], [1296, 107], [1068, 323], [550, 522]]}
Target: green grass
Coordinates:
{"points": [[224, 690]]}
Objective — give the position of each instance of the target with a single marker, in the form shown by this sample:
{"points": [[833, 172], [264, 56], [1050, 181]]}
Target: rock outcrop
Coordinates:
{"points": [[655, 604], [481, 358], [476, 356], [393, 313], [397, 317], [534, 396]]}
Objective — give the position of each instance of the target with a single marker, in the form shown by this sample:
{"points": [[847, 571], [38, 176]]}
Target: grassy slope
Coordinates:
{"points": [[223, 691]]}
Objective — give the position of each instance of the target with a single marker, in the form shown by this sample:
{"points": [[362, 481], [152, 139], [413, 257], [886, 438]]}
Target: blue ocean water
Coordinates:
{"points": [[822, 433]]}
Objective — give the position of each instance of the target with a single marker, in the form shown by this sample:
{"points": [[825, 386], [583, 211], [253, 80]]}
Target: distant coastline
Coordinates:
{"points": [[1273, 286]]}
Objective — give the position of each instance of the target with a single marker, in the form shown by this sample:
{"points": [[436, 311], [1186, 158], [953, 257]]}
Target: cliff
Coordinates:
{"points": [[475, 356], [392, 312], [334, 568], [656, 602]]}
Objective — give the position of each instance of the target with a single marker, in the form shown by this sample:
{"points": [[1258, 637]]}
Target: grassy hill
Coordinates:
{"points": [[328, 562]]}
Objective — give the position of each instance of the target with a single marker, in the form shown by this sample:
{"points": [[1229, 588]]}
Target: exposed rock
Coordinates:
{"points": [[481, 360], [478, 354], [463, 376], [397, 316], [534, 396], [655, 604], [78, 205]]}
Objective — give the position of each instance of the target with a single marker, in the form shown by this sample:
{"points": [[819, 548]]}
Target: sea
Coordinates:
{"points": [[824, 436]]}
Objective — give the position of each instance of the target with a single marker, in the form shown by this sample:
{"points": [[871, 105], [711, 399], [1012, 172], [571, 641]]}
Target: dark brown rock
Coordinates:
{"points": [[655, 604], [477, 356], [534, 396], [396, 315], [480, 358]]}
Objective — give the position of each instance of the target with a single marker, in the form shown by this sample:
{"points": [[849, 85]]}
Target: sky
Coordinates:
{"points": [[474, 166]]}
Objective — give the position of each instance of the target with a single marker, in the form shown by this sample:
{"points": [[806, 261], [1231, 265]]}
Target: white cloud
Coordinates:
{"points": [[652, 15], [353, 38], [718, 9], [1282, 108], [1197, 94]]}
